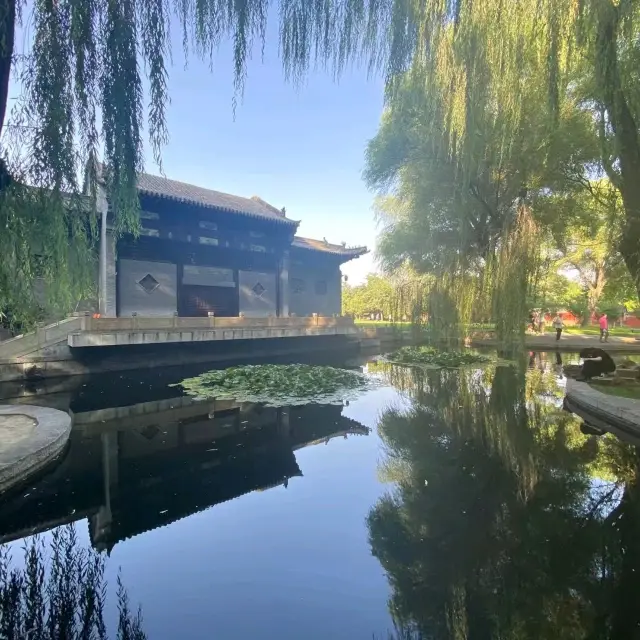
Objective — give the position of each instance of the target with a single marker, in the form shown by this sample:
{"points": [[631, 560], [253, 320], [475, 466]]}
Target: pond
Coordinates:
{"points": [[438, 504]]}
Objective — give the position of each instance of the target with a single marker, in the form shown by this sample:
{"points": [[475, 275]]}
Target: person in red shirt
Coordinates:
{"points": [[604, 328]]}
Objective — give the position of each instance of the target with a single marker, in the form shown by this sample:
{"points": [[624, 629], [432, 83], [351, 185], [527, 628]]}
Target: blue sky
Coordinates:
{"points": [[296, 147], [300, 148]]}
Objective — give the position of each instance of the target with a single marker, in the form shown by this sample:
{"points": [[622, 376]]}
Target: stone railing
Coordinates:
{"points": [[41, 338], [147, 323]]}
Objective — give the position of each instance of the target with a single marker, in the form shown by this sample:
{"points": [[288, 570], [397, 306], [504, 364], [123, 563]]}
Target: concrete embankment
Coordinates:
{"points": [[568, 342], [85, 345], [30, 438], [603, 410]]}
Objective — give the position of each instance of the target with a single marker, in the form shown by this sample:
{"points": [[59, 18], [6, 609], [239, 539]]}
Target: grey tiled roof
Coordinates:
{"points": [[208, 198], [327, 247]]}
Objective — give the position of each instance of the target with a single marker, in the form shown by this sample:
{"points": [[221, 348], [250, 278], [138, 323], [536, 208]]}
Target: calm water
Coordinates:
{"points": [[452, 504]]}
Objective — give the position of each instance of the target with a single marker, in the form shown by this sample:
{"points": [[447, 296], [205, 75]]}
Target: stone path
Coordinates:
{"points": [[570, 342], [30, 438]]}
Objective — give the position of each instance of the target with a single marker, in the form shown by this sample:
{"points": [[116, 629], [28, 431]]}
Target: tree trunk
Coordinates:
{"points": [[7, 34], [625, 622], [625, 131], [594, 292], [630, 243]]}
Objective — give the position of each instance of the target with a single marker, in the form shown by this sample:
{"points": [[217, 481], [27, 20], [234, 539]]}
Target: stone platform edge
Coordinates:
{"points": [[48, 439], [623, 413]]}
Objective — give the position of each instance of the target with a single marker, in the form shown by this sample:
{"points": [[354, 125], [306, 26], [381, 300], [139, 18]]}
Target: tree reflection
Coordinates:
{"points": [[504, 521], [60, 593]]}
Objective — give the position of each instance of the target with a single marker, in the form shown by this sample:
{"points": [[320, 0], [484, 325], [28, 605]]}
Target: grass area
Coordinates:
{"points": [[382, 323], [620, 332], [435, 357], [630, 391], [407, 325]]}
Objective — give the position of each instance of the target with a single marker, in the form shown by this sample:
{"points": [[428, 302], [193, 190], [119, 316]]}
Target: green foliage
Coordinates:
{"points": [[375, 296], [278, 385], [467, 129], [513, 277], [555, 291], [48, 264], [629, 390], [60, 594], [399, 297], [435, 357], [466, 133], [588, 241], [94, 76]]}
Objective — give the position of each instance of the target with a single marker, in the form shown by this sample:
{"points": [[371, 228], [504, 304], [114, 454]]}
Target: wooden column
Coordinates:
{"points": [[283, 286]]}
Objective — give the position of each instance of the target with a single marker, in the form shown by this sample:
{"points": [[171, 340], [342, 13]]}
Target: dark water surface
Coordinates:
{"points": [[446, 504]]}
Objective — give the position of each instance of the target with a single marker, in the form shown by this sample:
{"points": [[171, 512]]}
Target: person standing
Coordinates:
{"points": [[604, 328], [558, 325], [541, 320], [534, 321]]}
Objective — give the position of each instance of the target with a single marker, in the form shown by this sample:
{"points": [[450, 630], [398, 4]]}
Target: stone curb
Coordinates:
{"points": [[21, 459], [619, 412], [566, 344]]}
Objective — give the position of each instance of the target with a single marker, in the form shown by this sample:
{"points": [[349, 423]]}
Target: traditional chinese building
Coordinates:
{"points": [[204, 252]]}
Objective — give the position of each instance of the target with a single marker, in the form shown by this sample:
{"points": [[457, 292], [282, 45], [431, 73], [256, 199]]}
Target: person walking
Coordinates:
{"points": [[558, 325], [604, 328]]}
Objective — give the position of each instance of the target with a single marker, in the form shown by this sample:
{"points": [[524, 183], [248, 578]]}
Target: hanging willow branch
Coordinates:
{"points": [[84, 75]]}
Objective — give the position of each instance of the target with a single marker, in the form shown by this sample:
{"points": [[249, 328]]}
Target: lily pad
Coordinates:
{"points": [[278, 385], [432, 358]]}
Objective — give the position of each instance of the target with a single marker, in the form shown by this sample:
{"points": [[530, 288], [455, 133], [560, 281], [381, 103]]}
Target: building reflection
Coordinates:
{"points": [[135, 468]]}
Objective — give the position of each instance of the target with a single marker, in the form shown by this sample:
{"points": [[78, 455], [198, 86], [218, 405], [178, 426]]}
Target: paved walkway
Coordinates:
{"points": [[623, 413], [30, 438], [571, 342]]}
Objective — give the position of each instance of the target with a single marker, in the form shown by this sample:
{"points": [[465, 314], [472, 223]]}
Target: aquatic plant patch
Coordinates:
{"points": [[278, 385], [432, 357]]}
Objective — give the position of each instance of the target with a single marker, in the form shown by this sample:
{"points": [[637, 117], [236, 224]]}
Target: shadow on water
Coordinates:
{"points": [[504, 520]]}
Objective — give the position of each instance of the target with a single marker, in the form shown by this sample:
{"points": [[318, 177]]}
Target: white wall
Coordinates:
{"points": [[309, 299], [257, 305]]}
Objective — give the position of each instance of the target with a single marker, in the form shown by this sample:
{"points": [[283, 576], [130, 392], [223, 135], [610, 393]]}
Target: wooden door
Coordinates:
{"points": [[198, 300]]}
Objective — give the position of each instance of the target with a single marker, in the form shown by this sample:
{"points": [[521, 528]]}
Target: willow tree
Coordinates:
{"points": [[84, 91], [460, 208], [514, 70], [493, 53], [589, 246], [93, 76]]}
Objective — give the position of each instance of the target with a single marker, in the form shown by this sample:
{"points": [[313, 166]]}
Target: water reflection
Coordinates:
{"points": [[500, 519], [59, 591], [135, 468], [503, 520]]}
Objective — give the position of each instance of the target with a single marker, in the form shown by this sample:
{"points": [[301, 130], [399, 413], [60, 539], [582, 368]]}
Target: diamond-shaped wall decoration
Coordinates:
{"points": [[150, 431], [149, 283], [258, 289]]}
